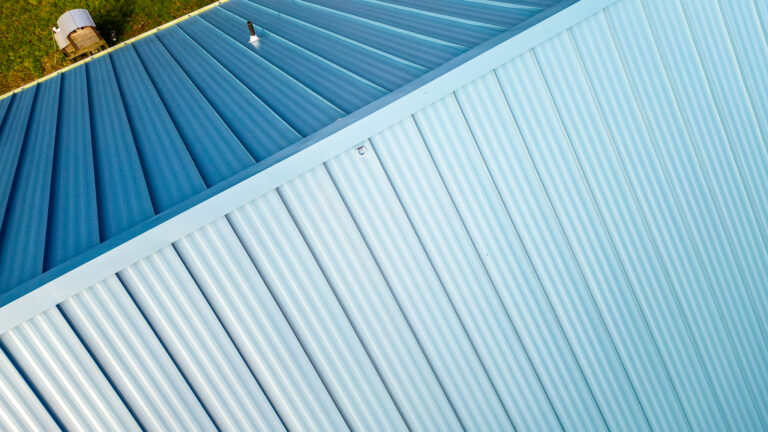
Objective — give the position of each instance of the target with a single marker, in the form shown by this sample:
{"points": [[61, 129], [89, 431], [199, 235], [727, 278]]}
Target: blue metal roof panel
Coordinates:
{"points": [[338, 86], [73, 223], [503, 16], [384, 71], [171, 173], [256, 127], [121, 190], [155, 123], [23, 229], [424, 52], [271, 101], [214, 148], [434, 26], [11, 140], [4, 103]]}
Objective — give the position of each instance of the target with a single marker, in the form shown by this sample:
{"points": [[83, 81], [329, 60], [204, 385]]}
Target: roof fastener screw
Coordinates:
{"points": [[361, 151]]}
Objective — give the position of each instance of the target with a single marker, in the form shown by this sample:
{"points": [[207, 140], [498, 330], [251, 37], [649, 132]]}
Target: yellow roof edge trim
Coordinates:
{"points": [[110, 49]]}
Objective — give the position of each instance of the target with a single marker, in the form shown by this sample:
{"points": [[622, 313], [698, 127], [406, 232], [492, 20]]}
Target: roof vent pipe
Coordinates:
{"points": [[253, 38]]}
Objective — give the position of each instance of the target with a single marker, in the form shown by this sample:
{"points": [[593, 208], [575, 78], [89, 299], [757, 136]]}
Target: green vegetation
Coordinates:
{"points": [[27, 48]]}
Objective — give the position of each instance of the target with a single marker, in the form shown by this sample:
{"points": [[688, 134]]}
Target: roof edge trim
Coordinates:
{"points": [[51, 288]]}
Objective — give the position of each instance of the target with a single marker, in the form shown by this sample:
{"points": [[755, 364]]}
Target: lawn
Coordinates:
{"points": [[27, 48]]}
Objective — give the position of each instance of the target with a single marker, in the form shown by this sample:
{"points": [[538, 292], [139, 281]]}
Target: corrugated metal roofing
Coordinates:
{"points": [[111, 144], [574, 240]]}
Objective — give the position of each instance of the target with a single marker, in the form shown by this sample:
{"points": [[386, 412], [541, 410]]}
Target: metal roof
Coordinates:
{"points": [[562, 230], [128, 137]]}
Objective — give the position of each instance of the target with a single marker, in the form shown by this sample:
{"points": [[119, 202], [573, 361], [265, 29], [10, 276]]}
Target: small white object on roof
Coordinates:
{"points": [[69, 22], [254, 39]]}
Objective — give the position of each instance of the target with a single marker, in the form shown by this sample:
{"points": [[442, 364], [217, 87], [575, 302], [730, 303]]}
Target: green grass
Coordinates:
{"points": [[28, 51]]}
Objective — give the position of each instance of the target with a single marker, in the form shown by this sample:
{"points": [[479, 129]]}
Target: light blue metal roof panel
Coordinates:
{"points": [[524, 199], [632, 266], [253, 318], [86, 399], [149, 386], [24, 410], [315, 315], [160, 121], [199, 342], [674, 266]]}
